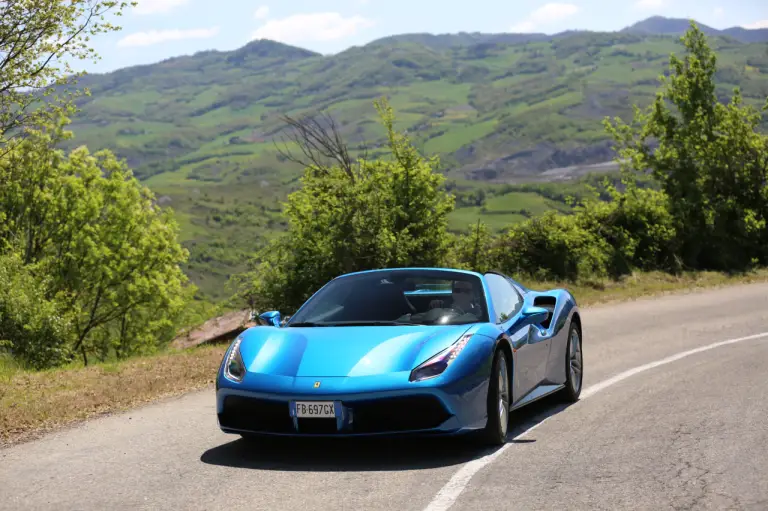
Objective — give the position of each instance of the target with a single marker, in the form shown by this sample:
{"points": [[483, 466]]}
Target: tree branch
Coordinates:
{"points": [[319, 140]]}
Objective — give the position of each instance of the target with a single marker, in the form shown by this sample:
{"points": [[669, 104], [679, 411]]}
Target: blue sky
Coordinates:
{"points": [[158, 29]]}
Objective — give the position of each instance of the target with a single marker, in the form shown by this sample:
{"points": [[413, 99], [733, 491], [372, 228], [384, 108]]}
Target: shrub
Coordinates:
{"points": [[37, 331]]}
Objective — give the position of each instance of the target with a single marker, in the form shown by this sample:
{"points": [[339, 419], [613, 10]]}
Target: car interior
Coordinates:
{"points": [[384, 299]]}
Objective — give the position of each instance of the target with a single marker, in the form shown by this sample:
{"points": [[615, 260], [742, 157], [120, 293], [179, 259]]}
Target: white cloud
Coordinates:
{"points": [[261, 13], [161, 36], [320, 26], [545, 15], [719, 11], [157, 6], [757, 24]]}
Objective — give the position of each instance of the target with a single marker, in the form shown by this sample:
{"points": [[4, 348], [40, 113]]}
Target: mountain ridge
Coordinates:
{"points": [[461, 38], [660, 25]]}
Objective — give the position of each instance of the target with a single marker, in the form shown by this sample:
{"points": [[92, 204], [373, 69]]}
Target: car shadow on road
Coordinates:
{"points": [[371, 454]]}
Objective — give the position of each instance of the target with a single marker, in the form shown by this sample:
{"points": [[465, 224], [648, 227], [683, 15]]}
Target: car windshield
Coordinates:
{"points": [[397, 297]]}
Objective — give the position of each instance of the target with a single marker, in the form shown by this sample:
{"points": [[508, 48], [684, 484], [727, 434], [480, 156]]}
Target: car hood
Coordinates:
{"points": [[343, 351]]}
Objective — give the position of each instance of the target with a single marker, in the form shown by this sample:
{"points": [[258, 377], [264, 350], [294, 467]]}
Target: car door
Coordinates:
{"points": [[532, 350]]}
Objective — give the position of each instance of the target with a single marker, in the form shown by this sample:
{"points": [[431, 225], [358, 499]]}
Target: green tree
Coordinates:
{"points": [[636, 224], [553, 246], [39, 41], [345, 218], [476, 250], [711, 161], [98, 239]]}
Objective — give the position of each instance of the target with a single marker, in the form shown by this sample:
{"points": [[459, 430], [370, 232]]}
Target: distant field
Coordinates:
{"points": [[511, 204]]}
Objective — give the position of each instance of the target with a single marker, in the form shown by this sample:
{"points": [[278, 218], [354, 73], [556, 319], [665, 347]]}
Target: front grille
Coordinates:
{"points": [[398, 414], [252, 414], [384, 415]]}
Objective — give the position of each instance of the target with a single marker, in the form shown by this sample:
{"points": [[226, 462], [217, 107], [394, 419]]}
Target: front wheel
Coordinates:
{"points": [[495, 432], [574, 365]]}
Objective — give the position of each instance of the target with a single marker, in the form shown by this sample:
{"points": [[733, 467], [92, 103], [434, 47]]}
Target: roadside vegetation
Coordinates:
{"points": [[92, 269], [90, 265], [693, 197]]}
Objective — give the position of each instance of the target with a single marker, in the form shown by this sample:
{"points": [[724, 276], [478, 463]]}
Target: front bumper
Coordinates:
{"points": [[422, 411]]}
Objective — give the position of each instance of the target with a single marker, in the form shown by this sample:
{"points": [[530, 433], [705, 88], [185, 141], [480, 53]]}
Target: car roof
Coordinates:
{"points": [[427, 268]]}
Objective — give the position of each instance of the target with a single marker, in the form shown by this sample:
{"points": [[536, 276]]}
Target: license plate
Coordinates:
{"points": [[315, 409]]}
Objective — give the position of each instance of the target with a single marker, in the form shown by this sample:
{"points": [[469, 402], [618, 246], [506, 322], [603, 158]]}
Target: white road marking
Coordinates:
{"points": [[447, 496]]}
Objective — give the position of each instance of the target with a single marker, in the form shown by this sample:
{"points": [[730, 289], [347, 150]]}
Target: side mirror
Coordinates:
{"points": [[271, 318], [533, 316]]}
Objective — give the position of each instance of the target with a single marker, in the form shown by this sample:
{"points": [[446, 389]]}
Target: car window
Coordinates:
{"points": [[402, 296], [506, 300]]}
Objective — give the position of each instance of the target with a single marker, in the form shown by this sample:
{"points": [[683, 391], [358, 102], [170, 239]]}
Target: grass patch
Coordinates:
{"points": [[463, 219], [459, 136], [503, 211], [33, 403]]}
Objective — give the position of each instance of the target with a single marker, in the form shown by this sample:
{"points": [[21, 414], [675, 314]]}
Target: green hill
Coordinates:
{"points": [[498, 108]]}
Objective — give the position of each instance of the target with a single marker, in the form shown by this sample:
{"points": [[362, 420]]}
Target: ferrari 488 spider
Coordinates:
{"points": [[403, 351]]}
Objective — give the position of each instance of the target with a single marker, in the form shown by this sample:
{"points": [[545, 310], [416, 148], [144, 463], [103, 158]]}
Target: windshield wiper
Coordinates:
{"points": [[351, 323], [372, 323], [308, 323], [354, 323]]}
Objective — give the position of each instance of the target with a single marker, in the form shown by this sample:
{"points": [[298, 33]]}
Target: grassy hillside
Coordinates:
{"points": [[201, 129]]}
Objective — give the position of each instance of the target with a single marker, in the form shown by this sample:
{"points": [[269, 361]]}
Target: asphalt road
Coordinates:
{"points": [[688, 434]]}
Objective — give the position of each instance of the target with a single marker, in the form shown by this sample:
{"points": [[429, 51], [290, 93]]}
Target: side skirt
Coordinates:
{"points": [[536, 394]]}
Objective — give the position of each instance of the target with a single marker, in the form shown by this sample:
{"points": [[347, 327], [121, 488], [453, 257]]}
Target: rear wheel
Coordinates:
{"points": [[574, 364], [495, 432]]}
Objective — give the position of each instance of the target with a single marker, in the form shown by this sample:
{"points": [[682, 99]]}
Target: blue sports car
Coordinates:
{"points": [[403, 351]]}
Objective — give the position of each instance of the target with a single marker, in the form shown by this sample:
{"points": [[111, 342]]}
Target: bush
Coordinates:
{"points": [[95, 235], [632, 230], [553, 246], [37, 331], [381, 213], [637, 226]]}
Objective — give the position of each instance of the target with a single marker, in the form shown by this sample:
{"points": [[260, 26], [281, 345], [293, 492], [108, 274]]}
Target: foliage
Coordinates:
{"points": [[638, 227], [632, 230], [476, 250], [378, 213], [39, 39], [710, 160], [553, 246], [38, 330], [98, 244]]}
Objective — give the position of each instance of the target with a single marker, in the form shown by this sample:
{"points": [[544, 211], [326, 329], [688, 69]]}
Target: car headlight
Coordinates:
{"points": [[234, 368], [436, 365]]}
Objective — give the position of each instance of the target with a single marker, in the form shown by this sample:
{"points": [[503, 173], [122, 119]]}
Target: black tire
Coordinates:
{"points": [[495, 431], [573, 386]]}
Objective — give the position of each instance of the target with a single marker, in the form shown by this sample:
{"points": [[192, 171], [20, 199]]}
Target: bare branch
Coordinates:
{"points": [[319, 140]]}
